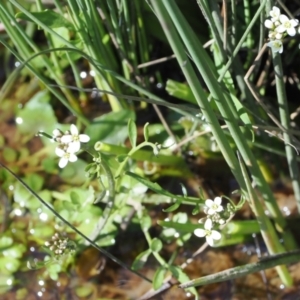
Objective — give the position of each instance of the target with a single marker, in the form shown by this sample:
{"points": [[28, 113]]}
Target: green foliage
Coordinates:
{"points": [[114, 185], [47, 17]]}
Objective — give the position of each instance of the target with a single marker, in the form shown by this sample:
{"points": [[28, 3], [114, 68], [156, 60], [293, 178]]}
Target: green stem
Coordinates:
{"points": [[229, 274], [267, 230], [110, 201], [291, 154]]}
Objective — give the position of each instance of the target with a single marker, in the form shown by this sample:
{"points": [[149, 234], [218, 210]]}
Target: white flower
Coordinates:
{"points": [[208, 233], [74, 139], [287, 25], [269, 24], [65, 157], [275, 13], [213, 207], [276, 46], [57, 134]]}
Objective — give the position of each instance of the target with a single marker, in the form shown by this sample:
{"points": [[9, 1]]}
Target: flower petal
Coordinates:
{"points": [[211, 211], [74, 129], [59, 152], [220, 208], [63, 162], [84, 138], [199, 232], [280, 29], [209, 203], [291, 31], [209, 240], [72, 157], [283, 18], [73, 147], [269, 24], [275, 10], [216, 235], [208, 224], [218, 200], [66, 138], [294, 22]]}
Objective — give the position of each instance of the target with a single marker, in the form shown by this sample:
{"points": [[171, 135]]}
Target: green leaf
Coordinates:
{"points": [[159, 277], [49, 165], [132, 132], [48, 17], [16, 251], [141, 259], [34, 181], [151, 185], [156, 245], [110, 128], [9, 265], [189, 227], [180, 218], [155, 187], [173, 207], [121, 158], [180, 90], [196, 210], [9, 154], [75, 198], [5, 242], [74, 173], [146, 132], [178, 273], [146, 222], [37, 115], [84, 291]]}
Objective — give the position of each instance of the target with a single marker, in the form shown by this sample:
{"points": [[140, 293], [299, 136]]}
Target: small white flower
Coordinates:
{"points": [[275, 13], [287, 25], [74, 139], [213, 206], [278, 35], [65, 157], [57, 134], [269, 24], [276, 46], [208, 233]]}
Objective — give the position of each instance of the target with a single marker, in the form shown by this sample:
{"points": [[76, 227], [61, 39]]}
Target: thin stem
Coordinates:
{"points": [[291, 155]]}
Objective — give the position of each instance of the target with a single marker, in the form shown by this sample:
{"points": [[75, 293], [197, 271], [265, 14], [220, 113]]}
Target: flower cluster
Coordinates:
{"points": [[60, 245], [216, 215], [280, 26], [69, 144]]}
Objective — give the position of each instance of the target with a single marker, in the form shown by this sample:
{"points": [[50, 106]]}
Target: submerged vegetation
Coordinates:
{"points": [[160, 137]]}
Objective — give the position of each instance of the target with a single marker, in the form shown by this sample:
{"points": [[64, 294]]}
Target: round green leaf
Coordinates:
{"points": [[156, 245]]}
